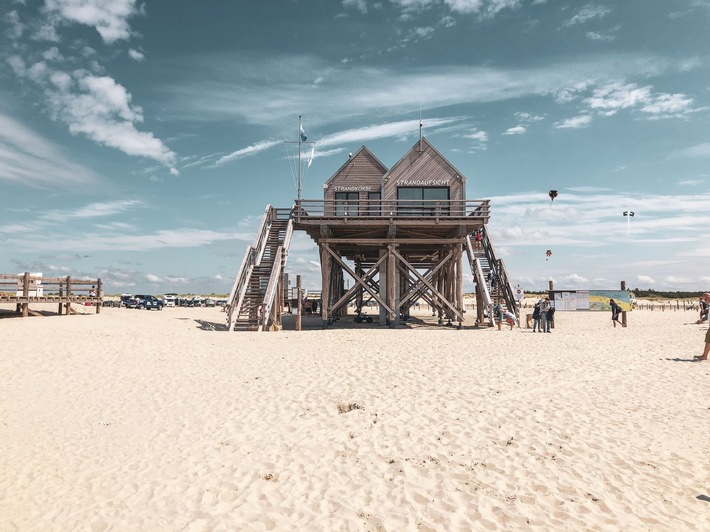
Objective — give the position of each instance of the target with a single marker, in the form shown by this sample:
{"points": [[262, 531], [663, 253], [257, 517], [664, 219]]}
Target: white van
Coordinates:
{"points": [[170, 300]]}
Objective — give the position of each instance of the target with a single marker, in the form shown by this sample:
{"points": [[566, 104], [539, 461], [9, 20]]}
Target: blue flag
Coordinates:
{"points": [[303, 135]]}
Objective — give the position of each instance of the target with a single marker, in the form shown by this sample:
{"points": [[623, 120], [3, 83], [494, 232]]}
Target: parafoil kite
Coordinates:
{"points": [[553, 195], [628, 215]]}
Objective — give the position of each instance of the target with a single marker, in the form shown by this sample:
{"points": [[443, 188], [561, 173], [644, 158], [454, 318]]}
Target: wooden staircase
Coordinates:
{"points": [[253, 304], [490, 276]]}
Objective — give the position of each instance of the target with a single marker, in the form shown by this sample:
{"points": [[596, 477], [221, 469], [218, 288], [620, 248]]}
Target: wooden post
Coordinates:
{"points": [[299, 306], [459, 281], [325, 283], [61, 294], [623, 312], [67, 306], [99, 295], [391, 287], [26, 294]]}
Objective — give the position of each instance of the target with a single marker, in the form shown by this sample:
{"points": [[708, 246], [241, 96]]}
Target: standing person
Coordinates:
{"points": [[615, 313], [498, 314], [704, 356], [479, 239], [550, 316], [536, 317], [544, 307]]}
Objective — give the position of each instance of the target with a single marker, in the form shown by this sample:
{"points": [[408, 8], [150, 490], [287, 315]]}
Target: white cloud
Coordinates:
{"points": [[101, 109], [487, 8], [360, 5], [597, 36], [517, 130], [576, 122], [136, 55], [153, 278], [690, 182], [110, 19], [615, 96], [645, 279], [668, 104], [588, 12]]}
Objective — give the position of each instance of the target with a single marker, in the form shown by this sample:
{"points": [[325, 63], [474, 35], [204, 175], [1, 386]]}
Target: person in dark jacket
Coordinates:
{"points": [[536, 317], [615, 313]]}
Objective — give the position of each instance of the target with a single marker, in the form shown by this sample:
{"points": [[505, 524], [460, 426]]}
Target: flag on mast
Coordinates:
{"points": [[303, 135]]}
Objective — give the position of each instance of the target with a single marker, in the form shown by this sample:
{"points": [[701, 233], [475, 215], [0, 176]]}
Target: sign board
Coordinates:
{"points": [[519, 293], [590, 299]]}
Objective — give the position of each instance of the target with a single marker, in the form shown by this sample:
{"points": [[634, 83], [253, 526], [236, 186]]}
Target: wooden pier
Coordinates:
{"points": [[25, 289]]}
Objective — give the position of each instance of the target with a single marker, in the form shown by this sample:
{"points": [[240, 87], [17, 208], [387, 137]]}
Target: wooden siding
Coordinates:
{"points": [[425, 168], [362, 173]]}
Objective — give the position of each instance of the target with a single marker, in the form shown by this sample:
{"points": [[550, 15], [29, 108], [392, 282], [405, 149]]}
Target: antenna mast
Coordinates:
{"points": [[300, 129], [420, 128]]}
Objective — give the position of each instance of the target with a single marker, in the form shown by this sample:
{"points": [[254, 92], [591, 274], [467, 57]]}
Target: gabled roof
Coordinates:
{"points": [[415, 154], [363, 155]]}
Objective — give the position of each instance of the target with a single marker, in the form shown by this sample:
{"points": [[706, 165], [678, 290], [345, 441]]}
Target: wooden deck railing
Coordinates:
{"points": [[454, 210], [23, 289]]}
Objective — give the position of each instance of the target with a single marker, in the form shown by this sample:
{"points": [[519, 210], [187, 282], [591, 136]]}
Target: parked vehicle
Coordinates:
{"points": [[208, 302], [124, 299], [147, 302], [196, 302], [171, 300]]}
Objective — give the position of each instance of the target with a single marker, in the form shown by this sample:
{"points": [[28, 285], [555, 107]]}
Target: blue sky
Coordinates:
{"points": [[141, 141]]}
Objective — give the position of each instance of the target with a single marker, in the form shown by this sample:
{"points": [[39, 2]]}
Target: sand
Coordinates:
{"points": [[150, 421]]}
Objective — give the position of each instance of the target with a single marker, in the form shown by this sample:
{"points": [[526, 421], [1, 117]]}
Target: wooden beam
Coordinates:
{"points": [[352, 273]]}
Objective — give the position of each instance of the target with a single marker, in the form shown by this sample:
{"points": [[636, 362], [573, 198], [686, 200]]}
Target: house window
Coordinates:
{"points": [[374, 205], [423, 201], [346, 203]]}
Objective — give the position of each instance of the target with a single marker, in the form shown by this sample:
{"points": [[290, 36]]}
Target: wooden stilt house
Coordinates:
{"points": [[400, 234]]}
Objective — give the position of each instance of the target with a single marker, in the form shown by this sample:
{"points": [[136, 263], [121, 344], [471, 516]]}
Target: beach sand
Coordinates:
{"points": [[150, 421]]}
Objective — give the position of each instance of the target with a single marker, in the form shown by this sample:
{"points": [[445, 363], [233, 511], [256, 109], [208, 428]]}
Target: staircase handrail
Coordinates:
{"points": [[252, 256], [268, 301], [499, 268], [276, 272], [239, 286], [480, 279]]}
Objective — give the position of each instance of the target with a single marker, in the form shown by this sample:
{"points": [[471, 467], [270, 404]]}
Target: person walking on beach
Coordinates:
{"points": [[704, 356], [615, 313], [536, 317], [544, 307], [550, 316]]}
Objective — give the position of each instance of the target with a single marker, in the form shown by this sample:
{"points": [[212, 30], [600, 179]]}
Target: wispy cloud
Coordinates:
{"points": [[29, 159], [699, 150], [249, 150], [588, 12]]}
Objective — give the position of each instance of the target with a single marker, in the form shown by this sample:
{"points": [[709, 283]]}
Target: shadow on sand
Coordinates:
{"points": [[211, 326]]}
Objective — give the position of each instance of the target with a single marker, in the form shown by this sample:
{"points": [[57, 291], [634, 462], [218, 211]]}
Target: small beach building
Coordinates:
{"points": [[401, 234]]}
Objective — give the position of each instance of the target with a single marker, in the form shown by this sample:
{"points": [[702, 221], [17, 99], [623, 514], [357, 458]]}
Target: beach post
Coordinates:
{"points": [[299, 310], [26, 294], [623, 312]]}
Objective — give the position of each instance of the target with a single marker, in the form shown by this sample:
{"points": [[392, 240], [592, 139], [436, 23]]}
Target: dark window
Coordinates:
{"points": [[346, 203], [423, 201], [374, 205]]}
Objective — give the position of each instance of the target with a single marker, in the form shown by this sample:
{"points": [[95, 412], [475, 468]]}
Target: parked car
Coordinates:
{"points": [[171, 300], [208, 302], [196, 302], [149, 302], [124, 300]]}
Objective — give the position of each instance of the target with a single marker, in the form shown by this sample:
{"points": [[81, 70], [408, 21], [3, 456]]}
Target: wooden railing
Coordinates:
{"points": [[23, 289], [392, 209]]}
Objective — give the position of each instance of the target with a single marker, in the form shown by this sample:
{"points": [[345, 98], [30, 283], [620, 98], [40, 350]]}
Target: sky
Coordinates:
{"points": [[140, 141]]}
